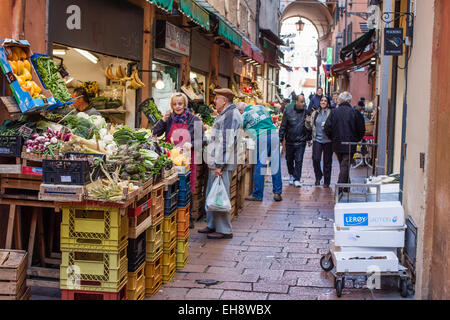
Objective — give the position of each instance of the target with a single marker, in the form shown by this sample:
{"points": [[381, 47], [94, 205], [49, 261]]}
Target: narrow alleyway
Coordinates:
{"points": [[275, 250]]}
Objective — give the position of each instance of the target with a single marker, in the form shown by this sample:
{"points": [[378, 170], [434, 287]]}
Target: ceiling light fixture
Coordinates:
{"points": [[87, 55]]}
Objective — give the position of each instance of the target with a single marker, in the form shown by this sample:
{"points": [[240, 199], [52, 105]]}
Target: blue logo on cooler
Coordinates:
{"points": [[356, 219]]}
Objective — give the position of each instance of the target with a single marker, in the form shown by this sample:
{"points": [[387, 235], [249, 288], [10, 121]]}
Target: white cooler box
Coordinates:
{"points": [[369, 237], [344, 263], [336, 248], [369, 214]]}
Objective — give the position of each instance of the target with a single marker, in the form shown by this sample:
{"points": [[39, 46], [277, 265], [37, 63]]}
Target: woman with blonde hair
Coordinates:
{"points": [[178, 125]]}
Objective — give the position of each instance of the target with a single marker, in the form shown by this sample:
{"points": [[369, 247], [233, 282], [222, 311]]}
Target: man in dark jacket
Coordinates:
{"points": [[294, 132], [314, 102], [344, 125]]}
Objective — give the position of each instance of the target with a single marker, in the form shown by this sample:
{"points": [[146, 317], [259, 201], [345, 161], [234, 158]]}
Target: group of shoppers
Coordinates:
{"points": [[320, 124]]}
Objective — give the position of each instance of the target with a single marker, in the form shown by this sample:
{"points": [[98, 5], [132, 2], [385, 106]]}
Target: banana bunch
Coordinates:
{"points": [[136, 82], [119, 74]]}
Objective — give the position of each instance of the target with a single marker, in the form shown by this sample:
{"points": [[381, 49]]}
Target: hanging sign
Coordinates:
{"points": [[172, 38], [393, 41]]}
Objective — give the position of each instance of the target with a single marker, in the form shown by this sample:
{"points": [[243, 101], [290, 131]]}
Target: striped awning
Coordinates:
{"points": [[166, 5], [195, 12]]}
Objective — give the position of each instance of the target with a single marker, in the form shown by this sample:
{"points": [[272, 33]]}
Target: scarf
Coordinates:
{"points": [[180, 118]]}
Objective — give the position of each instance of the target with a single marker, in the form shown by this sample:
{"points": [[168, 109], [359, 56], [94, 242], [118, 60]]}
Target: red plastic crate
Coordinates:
{"points": [[94, 295]]}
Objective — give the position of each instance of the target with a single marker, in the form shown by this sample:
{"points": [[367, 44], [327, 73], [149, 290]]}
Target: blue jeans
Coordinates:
{"points": [[267, 146]]}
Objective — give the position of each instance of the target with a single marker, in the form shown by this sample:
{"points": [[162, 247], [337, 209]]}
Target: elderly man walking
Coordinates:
{"points": [[259, 126], [344, 125], [222, 158]]}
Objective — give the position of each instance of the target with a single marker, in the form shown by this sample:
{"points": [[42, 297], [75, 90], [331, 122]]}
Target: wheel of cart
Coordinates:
{"points": [[339, 284], [403, 284], [326, 262]]}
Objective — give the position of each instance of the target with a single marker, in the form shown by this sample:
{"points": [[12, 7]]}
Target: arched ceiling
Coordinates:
{"points": [[317, 13]]}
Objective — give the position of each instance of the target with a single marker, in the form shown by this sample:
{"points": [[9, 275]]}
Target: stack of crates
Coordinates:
{"points": [[136, 264], [94, 244], [183, 214], [154, 243]]}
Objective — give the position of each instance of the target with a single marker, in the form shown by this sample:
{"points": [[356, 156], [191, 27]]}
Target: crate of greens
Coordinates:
{"points": [[75, 169], [151, 111], [48, 73]]}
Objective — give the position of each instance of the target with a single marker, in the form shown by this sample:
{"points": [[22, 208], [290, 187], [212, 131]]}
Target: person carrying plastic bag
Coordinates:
{"points": [[222, 160], [218, 199]]}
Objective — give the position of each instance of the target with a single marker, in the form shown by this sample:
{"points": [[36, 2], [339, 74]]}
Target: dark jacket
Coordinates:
{"points": [[314, 103], [162, 127], [293, 128], [345, 125]]}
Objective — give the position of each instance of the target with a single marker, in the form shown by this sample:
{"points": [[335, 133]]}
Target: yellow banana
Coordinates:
{"points": [[118, 73], [123, 71], [138, 80], [107, 72]]}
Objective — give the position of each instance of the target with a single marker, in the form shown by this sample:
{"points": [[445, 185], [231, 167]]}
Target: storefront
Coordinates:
{"points": [[171, 45], [200, 57], [98, 54]]}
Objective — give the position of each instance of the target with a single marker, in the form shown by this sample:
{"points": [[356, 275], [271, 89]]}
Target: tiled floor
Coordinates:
{"points": [[275, 251]]}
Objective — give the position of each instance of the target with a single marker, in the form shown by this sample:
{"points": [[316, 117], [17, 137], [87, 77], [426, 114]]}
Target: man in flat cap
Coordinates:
{"points": [[222, 158]]}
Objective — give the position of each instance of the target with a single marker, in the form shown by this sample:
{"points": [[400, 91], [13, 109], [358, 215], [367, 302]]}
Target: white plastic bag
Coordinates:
{"points": [[217, 199]]}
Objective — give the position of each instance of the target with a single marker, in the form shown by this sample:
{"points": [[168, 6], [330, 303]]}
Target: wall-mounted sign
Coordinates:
{"points": [[171, 38], [393, 41], [329, 55]]}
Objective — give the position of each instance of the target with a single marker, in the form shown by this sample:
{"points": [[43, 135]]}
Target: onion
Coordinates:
{"points": [[28, 150], [34, 136], [53, 140], [58, 135]]}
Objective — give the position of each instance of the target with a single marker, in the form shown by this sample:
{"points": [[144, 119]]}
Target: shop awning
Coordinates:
{"points": [[228, 33], [196, 13], [363, 60], [358, 46], [166, 5], [247, 48], [269, 35], [281, 64], [258, 55]]}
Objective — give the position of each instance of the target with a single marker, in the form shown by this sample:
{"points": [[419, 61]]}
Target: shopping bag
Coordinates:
{"points": [[217, 199]]}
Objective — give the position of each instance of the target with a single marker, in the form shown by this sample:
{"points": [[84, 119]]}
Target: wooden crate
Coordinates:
{"points": [[13, 273], [61, 193], [138, 225]]}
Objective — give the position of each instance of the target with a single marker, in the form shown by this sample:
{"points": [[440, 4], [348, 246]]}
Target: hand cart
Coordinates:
{"points": [[367, 255]]}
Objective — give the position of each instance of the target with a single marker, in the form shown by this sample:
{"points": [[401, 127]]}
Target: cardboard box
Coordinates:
{"points": [[369, 214], [24, 100]]}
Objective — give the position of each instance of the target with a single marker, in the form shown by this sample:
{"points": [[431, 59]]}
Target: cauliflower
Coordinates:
{"points": [[98, 121], [83, 115]]}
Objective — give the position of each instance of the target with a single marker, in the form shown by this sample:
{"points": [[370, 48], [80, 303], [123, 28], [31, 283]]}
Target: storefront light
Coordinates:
{"points": [[59, 52], [87, 55], [159, 84]]}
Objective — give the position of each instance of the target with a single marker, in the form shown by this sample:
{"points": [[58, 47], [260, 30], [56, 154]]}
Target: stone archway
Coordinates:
{"points": [[317, 13]]}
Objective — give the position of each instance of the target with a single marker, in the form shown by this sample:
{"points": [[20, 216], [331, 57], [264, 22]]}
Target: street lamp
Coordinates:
{"points": [[300, 25]]}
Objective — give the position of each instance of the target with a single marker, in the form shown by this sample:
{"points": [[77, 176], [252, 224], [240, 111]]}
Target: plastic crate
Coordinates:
{"points": [[183, 215], [170, 204], [169, 230], [136, 283], [136, 253], [184, 181], [77, 172], [158, 197], [184, 198], [11, 146], [153, 270], [141, 206], [169, 263], [93, 270], [182, 252], [153, 275], [171, 189], [89, 295], [93, 228], [154, 241]]}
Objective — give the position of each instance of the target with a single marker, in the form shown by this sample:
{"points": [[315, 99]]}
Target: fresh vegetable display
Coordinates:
{"points": [[47, 143], [101, 103], [49, 73], [21, 67]]}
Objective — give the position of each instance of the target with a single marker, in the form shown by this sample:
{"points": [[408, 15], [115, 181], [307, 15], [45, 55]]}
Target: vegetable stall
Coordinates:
{"points": [[105, 206]]}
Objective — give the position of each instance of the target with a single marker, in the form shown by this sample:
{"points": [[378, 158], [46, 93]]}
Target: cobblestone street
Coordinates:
{"points": [[275, 250]]}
